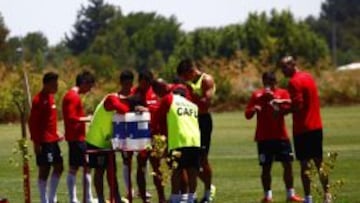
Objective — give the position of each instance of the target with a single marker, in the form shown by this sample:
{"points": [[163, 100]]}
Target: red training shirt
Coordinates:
{"points": [[269, 126], [160, 116], [305, 99], [43, 119], [114, 103], [72, 109]]}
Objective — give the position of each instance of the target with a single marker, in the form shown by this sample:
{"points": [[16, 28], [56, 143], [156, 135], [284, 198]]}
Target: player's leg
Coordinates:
{"points": [[155, 164], [265, 156], [142, 158], [191, 163], [127, 165], [205, 174], [43, 173], [73, 168], [58, 168]]}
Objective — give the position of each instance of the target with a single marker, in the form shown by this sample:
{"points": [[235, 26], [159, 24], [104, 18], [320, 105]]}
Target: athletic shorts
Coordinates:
{"points": [[98, 160], [189, 157], [206, 126], [309, 145], [274, 150], [76, 153], [50, 154]]}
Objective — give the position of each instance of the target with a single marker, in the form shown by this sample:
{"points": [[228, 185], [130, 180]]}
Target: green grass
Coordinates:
{"points": [[233, 156]]}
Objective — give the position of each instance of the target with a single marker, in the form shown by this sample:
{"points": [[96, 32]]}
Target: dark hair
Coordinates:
{"points": [[270, 76], [185, 66], [85, 77], [146, 75], [126, 75], [49, 77]]}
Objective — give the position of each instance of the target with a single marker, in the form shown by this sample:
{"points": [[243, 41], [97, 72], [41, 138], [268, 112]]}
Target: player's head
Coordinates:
{"points": [[160, 87], [145, 79], [288, 66], [186, 69], [50, 82], [126, 79], [269, 79], [85, 81]]}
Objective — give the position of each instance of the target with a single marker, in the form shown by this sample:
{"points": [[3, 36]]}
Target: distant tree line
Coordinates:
{"points": [[105, 40]]}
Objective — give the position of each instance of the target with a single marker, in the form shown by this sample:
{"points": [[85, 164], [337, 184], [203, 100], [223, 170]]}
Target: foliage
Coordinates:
{"points": [[325, 170], [90, 21], [339, 24]]}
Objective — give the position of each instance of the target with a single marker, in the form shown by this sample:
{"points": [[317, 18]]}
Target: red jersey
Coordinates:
{"points": [[160, 115], [183, 87], [72, 109], [43, 119], [113, 102], [305, 99], [269, 126]]}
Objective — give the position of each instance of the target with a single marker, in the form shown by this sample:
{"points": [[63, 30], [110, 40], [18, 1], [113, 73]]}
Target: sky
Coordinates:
{"points": [[55, 18]]}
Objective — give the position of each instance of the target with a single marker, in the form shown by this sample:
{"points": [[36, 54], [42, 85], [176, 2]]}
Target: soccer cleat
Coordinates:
{"points": [[295, 198], [266, 200]]}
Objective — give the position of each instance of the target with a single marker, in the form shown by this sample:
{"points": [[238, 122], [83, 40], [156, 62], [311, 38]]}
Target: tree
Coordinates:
{"points": [[3, 34], [339, 24], [90, 21]]}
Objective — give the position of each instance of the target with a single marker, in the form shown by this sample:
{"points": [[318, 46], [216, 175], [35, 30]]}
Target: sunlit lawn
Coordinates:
{"points": [[234, 159]]}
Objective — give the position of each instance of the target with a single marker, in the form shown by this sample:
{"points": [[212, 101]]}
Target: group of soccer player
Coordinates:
{"points": [[188, 133], [270, 104], [180, 111]]}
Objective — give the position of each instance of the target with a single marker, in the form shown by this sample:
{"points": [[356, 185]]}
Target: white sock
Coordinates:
{"points": [[184, 197], [268, 194], [126, 176], [290, 192], [308, 199], [175, 198], [42, 190], [89, 195], [54, 182], [191, 197], [71, 183]]}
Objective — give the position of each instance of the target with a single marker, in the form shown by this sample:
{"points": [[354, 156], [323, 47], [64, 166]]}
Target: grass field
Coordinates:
{"points": [[234, 159]]}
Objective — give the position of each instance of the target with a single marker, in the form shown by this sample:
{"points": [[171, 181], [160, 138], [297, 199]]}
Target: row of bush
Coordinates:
{"points": [[235, 80]]}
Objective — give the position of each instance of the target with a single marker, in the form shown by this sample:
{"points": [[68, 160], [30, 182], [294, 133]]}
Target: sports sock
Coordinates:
{"points": [[308, 199], [268, 194], [71, 183], [175, 198], [54, 182], [290, 192], [184, 197], [207, 194], [89, 195], [42, 190]]}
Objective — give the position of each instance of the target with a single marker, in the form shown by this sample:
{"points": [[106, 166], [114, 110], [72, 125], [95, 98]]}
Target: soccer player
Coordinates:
{"points": [[74, 121], [149, 100], [99, 138], [203, 89], [44, 135], [126, 92], [307, 124], [177, 120], [271, 136]]}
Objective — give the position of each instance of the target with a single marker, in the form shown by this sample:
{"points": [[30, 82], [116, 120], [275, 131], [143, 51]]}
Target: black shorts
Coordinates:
{"points": [[309, 145], [50, 154], [274, 150], [99, 159], [189, 157], [206, 126], [76, 153]]}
